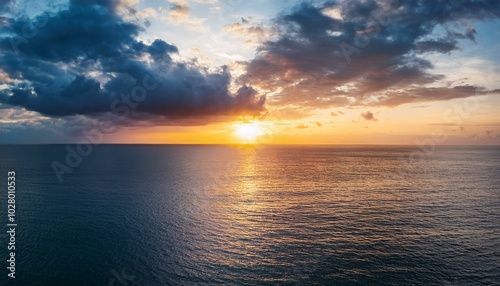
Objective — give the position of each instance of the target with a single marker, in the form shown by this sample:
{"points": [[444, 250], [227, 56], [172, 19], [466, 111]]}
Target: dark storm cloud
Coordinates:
{"points": [[365, 52], [439, 46], [82, 59], [4, 7], [4, 4]]}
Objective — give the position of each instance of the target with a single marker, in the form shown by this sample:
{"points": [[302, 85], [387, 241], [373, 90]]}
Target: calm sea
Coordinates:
{"points": [[219, 215]]}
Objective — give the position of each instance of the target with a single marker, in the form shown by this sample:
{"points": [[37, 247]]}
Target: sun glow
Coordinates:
{"points": [[249, 132]]}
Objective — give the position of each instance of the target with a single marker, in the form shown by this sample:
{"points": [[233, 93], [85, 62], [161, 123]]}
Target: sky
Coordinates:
{"points": [[254, 72]]}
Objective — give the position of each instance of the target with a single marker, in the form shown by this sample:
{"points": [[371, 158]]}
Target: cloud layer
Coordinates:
{"points": [[365, 53], [86, 59]]}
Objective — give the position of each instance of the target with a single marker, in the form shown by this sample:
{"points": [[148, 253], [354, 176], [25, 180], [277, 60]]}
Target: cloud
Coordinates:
{"points": [[254, 33], [179, 15], [365, 53], [147, 13], [242, 29], [85, 58], [333, 114], [207, 1], [368, 116], [26, 127], [179, 9], [438, 46], [302, 126], [5, 5]]}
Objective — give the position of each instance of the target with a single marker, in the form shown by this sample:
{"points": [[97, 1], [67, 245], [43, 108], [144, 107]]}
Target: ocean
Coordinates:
{"points": [[253, 215]]}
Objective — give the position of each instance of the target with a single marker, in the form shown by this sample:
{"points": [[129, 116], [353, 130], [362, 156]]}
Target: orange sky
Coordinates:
{"points": [[449, 122]]}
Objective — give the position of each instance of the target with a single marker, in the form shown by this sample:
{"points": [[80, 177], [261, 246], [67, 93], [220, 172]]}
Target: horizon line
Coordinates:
{"points": [[258, 144]]}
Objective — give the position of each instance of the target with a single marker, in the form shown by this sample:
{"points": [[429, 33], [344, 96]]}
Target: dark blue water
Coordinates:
{"points": [[198, 215]]}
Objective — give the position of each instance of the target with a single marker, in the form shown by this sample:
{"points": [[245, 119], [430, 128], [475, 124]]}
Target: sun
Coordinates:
{"points": [[249, 131]]}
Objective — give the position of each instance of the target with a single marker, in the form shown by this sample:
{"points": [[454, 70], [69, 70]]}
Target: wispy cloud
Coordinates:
{"points": [[302, 126], [178, 14], [333, 114]]}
